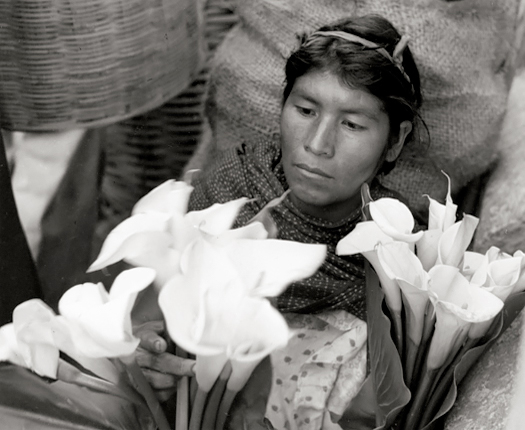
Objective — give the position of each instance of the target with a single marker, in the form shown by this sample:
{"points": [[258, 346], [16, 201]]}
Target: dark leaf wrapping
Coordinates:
{"points": [[30, 402]]}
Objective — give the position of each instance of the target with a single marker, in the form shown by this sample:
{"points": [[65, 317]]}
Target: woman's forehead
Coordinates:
{"points": [[327, 88]]}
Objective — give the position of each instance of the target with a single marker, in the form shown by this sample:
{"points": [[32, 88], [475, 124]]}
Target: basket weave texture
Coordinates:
{"points": [[86, 63]]}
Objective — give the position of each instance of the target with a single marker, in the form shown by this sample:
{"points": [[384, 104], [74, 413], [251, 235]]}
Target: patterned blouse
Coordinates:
{"points": [[255, 171]]}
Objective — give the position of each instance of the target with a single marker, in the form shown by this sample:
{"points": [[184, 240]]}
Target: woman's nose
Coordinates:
{"points": [[321, 139]]}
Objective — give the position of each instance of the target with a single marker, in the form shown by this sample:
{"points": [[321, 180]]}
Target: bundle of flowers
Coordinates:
{"points": [[433, 308], [88, 346], [214, 282]]}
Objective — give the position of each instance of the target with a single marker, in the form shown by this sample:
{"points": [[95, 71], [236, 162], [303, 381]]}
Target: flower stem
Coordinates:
{"points": [[183, 398], [420, 399], [198, 409], [215, 397], [398, 331], [443, 384], [145, 389], [224, 408], [411, 351]]}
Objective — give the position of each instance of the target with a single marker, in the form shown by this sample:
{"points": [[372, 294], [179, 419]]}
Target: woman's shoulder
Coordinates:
{"points": [[248, 170]]}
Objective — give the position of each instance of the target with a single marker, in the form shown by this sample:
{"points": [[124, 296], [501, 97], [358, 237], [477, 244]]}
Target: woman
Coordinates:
{"points": [[349, 107]]}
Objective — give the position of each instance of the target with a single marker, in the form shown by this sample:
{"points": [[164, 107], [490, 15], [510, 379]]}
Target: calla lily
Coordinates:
{"points": [[160, 229], [493, 268], [455, 241], [440, 218], [395, 219], [29, 340], [99, 321], [363, 239], [401, 265], [458, 304], [502, 276]]}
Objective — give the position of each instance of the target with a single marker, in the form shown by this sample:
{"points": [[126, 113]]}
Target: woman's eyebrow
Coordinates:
{"points": [[365, 112]]}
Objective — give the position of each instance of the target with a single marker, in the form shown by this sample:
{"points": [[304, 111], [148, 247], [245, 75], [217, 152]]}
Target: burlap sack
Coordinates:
{"points": [[460, 46], [503, 206]]}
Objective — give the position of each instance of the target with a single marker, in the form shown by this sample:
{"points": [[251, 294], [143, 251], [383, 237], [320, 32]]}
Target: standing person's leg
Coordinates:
{"points": [[18, 277]]}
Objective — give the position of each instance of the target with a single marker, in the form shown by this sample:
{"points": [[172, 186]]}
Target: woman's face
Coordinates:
{"points": [[333, 139]]}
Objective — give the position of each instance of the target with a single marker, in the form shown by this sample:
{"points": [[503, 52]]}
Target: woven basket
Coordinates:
{"points": [[87, 63], [143, 151]]}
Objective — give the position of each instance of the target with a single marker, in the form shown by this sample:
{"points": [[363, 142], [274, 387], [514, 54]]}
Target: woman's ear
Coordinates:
{"points": [[393, 152]]}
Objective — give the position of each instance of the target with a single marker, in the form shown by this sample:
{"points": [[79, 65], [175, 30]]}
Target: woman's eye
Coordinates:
{"points": [[352, 125], [305, 111]]}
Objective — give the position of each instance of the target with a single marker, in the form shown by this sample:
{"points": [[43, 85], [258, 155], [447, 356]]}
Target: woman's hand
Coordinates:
{"points": [[161, 368]]}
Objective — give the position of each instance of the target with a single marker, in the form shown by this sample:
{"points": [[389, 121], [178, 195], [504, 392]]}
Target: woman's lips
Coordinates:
{"points": [[313, 170]]}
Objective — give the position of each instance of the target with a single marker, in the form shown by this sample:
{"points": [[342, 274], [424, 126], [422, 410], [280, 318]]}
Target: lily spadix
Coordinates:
{"points": [[29, 341], [100, 322], [402, 266]]}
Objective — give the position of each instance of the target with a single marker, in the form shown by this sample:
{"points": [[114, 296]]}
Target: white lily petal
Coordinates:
{"points": [[9, 350], [441, 216], [267, 267], [401, 265], [363, 238], [467, 302], [473, 263], [101, 324], [134, 236], [217, 218], [208, 368], [262, 330], [427, 248], [201, 305], [131, 282], [503, 276], [455, 241], [169, 197], [449, 333], [182, 231], [254, 231], [395, 219], [390, 287], [33, 324], [164, 261]]}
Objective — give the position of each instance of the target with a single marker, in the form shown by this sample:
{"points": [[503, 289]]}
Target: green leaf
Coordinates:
{"points": [[384, 393], [31, 402]]}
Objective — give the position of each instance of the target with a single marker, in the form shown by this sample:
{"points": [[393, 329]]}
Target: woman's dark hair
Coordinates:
{"points": [[364, 68]]}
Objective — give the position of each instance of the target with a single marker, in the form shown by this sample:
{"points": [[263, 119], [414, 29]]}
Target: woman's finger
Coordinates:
{"points": [[150, 336], [160, 381], [165, 362]]}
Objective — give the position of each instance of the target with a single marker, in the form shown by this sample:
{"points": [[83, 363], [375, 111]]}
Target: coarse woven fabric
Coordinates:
{"points": [[254, 171], [461, 48], [503, 206]]}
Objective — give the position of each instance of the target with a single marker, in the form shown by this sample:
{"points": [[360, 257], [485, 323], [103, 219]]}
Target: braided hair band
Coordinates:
{"points": [[396, 58]]}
